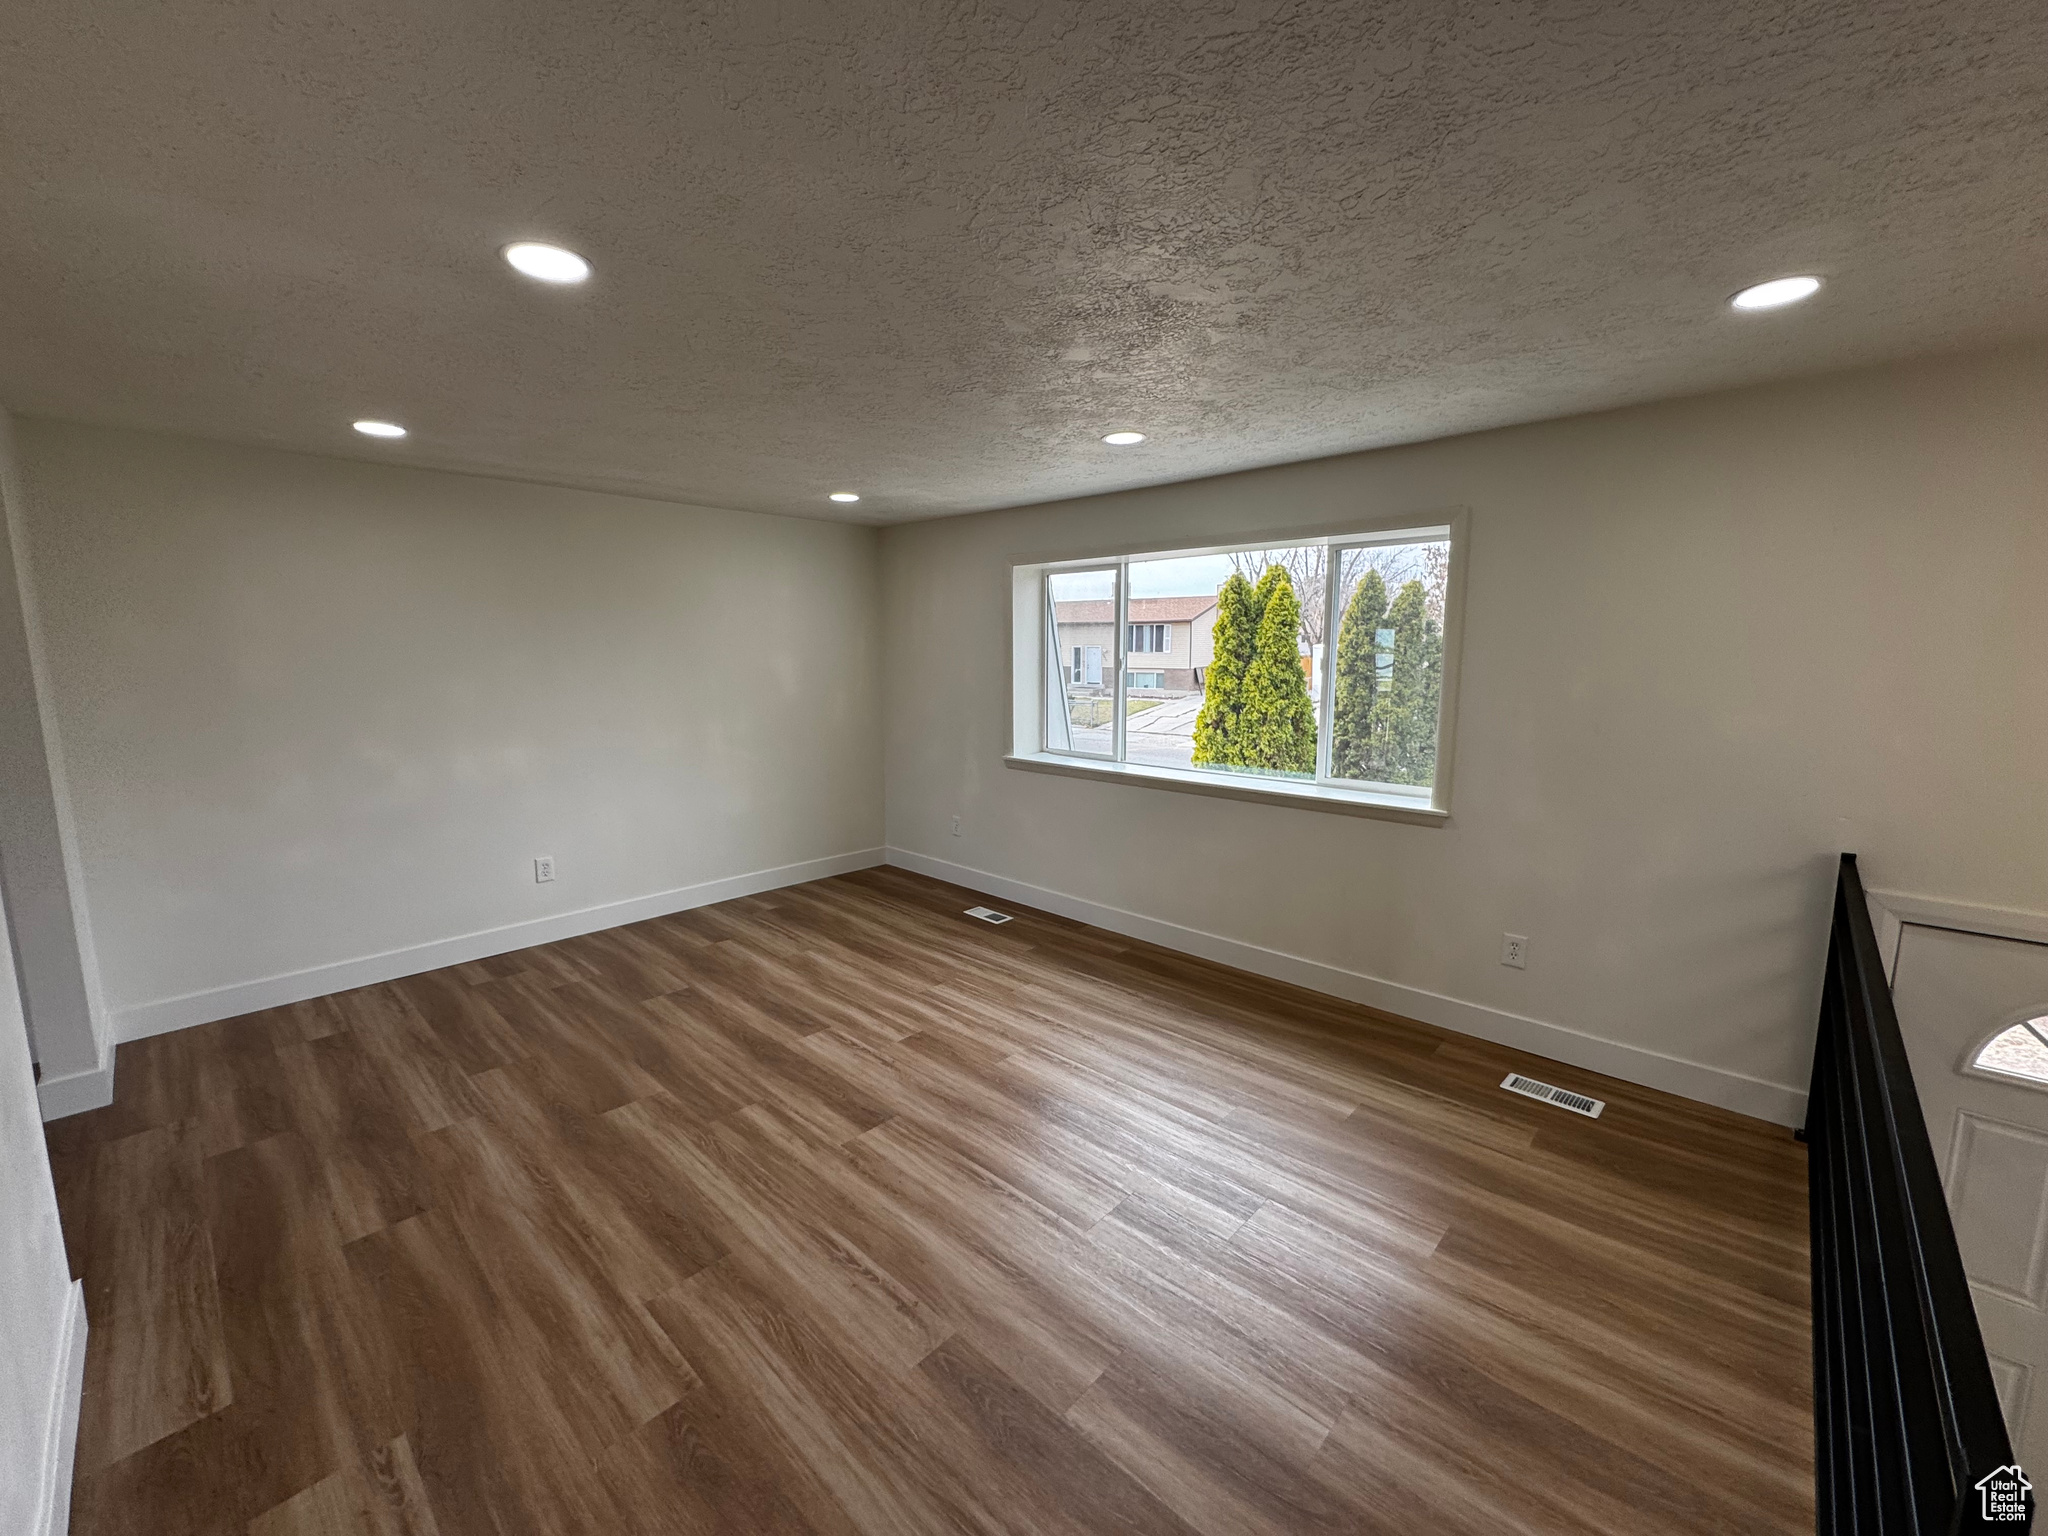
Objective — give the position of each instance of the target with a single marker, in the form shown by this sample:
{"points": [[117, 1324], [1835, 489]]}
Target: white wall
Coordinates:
{"points": [[320, 715], [40, 867], [320, 711], [1708, 644], [42, 1341]]}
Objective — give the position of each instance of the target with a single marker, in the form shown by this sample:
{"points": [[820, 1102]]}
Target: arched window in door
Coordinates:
{"points": [[2021, 1051]]}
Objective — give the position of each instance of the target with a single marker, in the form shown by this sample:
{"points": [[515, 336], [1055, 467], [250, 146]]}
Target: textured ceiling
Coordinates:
{"points": [[931, 251]]}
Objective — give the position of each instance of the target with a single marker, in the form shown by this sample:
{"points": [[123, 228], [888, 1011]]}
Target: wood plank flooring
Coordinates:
{"points": [[832, 1210]]}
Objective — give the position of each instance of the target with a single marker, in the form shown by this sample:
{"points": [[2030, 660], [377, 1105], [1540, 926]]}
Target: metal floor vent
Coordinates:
{"points": [[1577, 1103], [988, 914]]}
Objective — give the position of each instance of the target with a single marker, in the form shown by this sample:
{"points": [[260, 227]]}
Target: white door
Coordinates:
{"points": [[1987, 1117]]}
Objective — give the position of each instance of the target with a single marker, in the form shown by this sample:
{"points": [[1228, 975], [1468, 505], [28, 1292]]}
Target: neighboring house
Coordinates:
{"points": [[1168, 647]]}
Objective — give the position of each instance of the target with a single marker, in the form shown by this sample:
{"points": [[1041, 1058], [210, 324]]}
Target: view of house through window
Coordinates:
{"points": [[1315, 662], [1081, 664]]}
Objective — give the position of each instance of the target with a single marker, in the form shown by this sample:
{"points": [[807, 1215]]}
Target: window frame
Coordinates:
{"points": [[1032, 606], [1057, 653]]}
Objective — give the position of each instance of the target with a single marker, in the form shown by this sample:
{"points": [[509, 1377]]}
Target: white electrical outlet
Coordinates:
{"points": [[956, 826], [1514, 950], [544, 869]]}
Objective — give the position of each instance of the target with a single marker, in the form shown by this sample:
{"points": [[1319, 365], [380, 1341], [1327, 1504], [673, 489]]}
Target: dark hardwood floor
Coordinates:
{"points": [[833, 1210]]}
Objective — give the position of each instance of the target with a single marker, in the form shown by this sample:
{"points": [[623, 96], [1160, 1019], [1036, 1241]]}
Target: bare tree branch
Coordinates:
{"points": [[1398, 564], [1305, 567]]}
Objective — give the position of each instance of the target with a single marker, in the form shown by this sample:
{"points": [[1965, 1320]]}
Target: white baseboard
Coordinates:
{"points": [[76, 1092], [60, 1440], [141, 1020], [1779, 1103]]}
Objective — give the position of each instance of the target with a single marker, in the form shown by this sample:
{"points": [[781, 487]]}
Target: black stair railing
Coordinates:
{"points": [[1909, 1440]]}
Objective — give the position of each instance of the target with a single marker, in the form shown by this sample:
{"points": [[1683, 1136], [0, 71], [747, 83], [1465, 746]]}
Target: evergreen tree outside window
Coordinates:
{"points": [[1276, 723], [1236, 631], [1388, 683], [1362, 645]]}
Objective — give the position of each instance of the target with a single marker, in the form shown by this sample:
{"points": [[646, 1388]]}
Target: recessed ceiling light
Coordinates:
{"points": [[1124, 439], [380, 429], [549, 263], [844, 496], [1777, 293]]}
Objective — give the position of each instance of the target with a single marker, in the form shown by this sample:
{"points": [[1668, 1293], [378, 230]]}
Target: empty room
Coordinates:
{"points": [[1220, 769]]}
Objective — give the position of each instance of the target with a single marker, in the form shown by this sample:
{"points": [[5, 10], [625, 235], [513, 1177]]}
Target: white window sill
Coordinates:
{"points": [[1309, 797]]}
